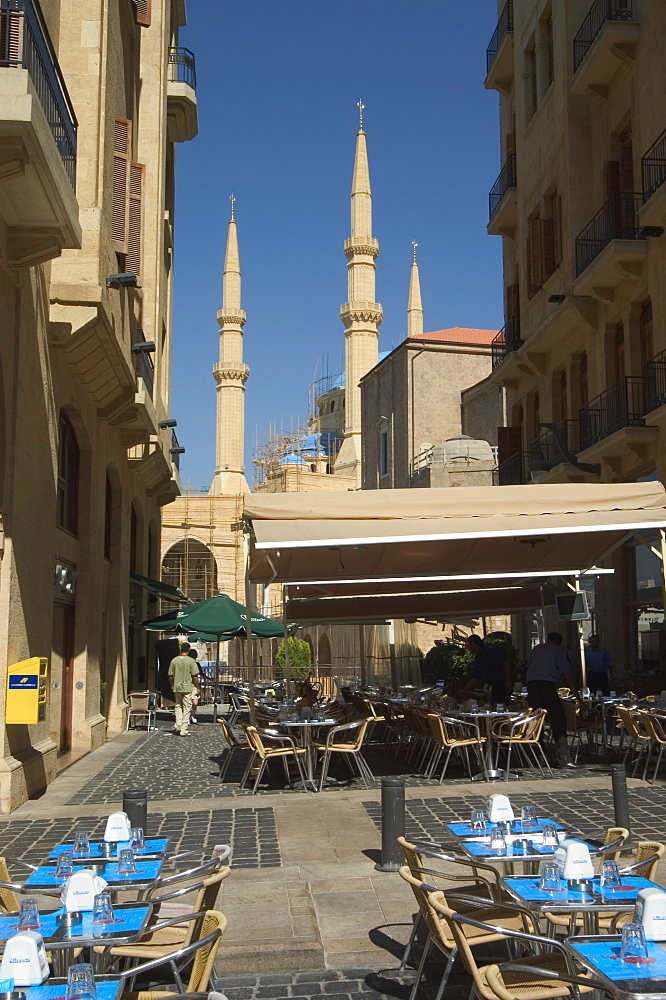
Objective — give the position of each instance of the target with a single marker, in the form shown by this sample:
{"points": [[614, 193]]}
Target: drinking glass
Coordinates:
{"points": [[610, 876], [478, 819], [64, 865], [497, 839], [136, 841], [500, 707], [528, 816], [81, 842], [599, 695], [126, 864], [613, 694], [634, 945], [102, 912], [474, 706], [550, 835], [549, 878], [585, 693], [28, 916], [81, 982]]}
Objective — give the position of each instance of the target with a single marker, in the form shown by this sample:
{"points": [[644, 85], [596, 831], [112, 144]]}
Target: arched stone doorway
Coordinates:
{"points": [[190, 565], [324, 654]]}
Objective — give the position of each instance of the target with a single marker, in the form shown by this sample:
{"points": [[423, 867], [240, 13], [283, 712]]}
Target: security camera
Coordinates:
{"points": [[143, 347], [126, 279], [168, 423]]}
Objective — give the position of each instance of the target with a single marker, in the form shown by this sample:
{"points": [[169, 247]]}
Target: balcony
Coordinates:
{"points": [[137, 420], [156, 462], [656, 382], [506, 341], [513, 471], [182, 112], [37, 141], [607, 38], [503, 202], [553, 455], [499, 54], [614, 422], [611, 247], [653, 169]]}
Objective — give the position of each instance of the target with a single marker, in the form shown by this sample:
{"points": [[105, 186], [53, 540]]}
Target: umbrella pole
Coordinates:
{"points": [[217, 680], [287, 665], [248, 630]]}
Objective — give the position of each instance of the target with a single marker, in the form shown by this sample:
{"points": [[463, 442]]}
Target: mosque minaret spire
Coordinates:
{"points": [[361, 315], [230, 375], [414, 305]]}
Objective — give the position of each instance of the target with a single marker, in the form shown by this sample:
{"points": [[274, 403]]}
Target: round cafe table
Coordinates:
{"points": [[487, 718], [302, 729]]}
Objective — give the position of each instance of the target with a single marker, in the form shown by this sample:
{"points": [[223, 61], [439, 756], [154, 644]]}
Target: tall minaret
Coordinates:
{"points": [[230, 375], [414, 306], [361, 315]]}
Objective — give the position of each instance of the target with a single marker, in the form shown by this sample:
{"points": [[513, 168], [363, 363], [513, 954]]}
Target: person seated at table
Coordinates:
{"points": [[548, 669], [306, 700], [597, 664], [491, 666]]}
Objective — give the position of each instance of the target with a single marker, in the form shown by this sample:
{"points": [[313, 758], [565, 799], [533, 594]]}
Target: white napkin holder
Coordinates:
{"points": [[499, 809], [24, 959], [650, 911], [573, 860], [117, 828], [80, 889]]}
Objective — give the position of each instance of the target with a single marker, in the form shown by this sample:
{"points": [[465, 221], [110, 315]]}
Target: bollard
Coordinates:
{"points": [[620, 799], [135, 804], [393, 824]]}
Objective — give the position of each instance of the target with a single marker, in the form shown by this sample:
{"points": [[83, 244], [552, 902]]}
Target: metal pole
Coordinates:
{"points": [[217, 680], [393, 823], [620, 798], [135, 804]]}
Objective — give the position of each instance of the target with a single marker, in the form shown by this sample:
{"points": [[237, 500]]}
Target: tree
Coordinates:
{"points": [[299, 658], [447, 661]]}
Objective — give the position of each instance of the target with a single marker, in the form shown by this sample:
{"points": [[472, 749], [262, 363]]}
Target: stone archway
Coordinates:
{"points": [[324, 652], [190, 565]]}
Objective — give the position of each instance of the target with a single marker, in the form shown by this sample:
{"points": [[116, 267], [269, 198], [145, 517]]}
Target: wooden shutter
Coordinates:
{"points": [[142, 12], [509, 443], [626, 165], [122, 147], [547, 231], [611, 178], [556, 206], [534, 257], [135, 220], [513, 304], [11, 37]]}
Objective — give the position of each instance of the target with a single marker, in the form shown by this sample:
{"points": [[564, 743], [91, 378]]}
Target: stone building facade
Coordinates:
{"points": [[87, 182]]}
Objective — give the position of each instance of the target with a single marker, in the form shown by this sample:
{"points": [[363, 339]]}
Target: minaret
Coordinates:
{"points": [[361, 315], [230, 375], [414, 306]]}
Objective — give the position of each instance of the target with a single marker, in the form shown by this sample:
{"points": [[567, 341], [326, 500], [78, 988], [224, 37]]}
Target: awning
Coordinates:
{"points": [[160, 589]]}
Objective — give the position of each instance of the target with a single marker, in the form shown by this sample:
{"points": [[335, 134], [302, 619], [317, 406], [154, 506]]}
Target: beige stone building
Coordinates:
{"points": [[93, 97], [580, 204]]}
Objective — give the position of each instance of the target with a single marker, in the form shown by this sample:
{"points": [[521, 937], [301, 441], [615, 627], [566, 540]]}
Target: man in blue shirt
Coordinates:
{"points": [[597, 664], [547, 669]]}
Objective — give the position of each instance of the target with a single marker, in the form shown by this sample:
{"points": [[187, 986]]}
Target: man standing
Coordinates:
{"points": [[597, 664], [184, 675], [548, 668], [491, 666]]}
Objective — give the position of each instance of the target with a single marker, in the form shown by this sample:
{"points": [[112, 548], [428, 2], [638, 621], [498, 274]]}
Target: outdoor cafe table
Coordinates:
{"points": [[601, 954], [525, 889], [107, 987], [155, 847], [479, 850], [303, 728], [146, 874], [487, 718]]}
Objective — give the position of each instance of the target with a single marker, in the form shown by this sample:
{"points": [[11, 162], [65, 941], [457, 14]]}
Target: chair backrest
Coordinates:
{"points": [[612, 833], [255, 740], [654, 726], [230, 737], [8, 898], [204, 958], [209, 891], [354, 742], [139, 701], [412, 856], [438, 928], [649, 851], [238, 701], [626, 720]]}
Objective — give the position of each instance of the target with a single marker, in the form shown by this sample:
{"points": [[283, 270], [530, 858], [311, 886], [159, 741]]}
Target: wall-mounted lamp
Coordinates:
{"points": [[126, 279], [177, 451], [143, 347], [168, 423]]}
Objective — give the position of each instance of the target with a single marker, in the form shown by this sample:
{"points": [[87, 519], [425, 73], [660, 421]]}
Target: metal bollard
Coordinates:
{"points": [[620, 798], [393, 824], [135, 804]]}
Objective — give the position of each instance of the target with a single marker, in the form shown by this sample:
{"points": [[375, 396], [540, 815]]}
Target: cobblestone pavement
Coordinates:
{"points": [[349, 984], [251, 832]]}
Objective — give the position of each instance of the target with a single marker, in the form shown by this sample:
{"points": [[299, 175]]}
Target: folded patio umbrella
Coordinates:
{"points": [[217, 618]]}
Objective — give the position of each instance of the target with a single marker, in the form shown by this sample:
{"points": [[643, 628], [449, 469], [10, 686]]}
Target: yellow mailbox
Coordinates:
{"points": [[26, 691]]}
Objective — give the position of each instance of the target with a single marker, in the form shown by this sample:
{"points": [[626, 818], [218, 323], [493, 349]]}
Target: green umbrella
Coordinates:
{"points": [[215, 618]]}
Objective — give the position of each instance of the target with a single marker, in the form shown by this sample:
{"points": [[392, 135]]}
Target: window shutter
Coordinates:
{"points": [[534, 257], [11, 37], [135, 220], [142, 12], [509, 443], [557, 229], [626, 167], [547, 230], [611, 178], [122, 145]]}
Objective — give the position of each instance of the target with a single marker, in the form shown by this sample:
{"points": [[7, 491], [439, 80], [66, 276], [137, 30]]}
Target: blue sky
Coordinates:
{"points": [[277, 87]]}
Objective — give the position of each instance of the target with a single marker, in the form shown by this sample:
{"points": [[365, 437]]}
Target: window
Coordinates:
{"points": [[67, 494], [108, 517], [142, 12], [583, 388], [534, 256], [645, 334], [127, 209], [547, 48], [530, 77], [618, 352], [383, 453], [552, 235], [562, 394]]}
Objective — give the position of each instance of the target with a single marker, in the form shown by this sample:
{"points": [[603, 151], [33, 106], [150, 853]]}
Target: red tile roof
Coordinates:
{"points": [[459, 335]]}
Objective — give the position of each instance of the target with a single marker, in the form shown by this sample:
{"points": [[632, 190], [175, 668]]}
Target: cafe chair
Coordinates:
{"points": [[189, 875], [202, 953], [140, 705], [453, 734], [238, 706], [269, 745], [656, 728], [431, 850], [522, 735], [511, 981], [577, 725], [630, 721], [234, 745], [346, 739]]}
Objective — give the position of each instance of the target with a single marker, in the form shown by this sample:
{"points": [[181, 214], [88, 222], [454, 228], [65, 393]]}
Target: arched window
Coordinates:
{"points": [[67, 497], [190, 565]]}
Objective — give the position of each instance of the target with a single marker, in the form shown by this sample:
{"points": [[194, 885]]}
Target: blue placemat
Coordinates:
{"points": [[105, 991], [127, 920], [605, 955], [45, 875], [483, 851], [465, 830], [157, 845], [528, 888]]}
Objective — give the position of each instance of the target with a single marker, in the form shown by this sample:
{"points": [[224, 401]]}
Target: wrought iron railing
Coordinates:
{"points": [[551, 446], [653, 166], [622, 405], [504, 25], [146, 371], [182, 67], [175, 450], [656, 382], [600, 12], [25, 44], [513, 471], [617, 220], [506, 341], [505, 181]]}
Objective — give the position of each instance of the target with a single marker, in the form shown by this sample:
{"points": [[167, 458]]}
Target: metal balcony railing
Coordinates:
{"points": [[623, 405], [182, 67], [551, 445], [653, 166], [513, 471], [175, 450], [504, 25], [656, 382], [25, 43], [600, 12], [506, 341], [617, 220], [505, 181]]}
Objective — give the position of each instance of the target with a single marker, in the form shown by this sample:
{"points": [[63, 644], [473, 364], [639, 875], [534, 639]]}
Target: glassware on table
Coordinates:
{"points": [[610, 876], [474, 707], [497, 839], [528, 816], [136, 841], [81, 842], [549, 878], [102, 912], [599, 695], [613, 694], [500, 707], [585, 694], [126, 865], [64, 865], [81, 982], [28, 916], [634, 946], [477, 819], [549, 832]]}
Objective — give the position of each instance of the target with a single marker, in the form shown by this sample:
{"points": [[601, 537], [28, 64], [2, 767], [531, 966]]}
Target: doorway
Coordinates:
{"points": [[62, 677]]}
